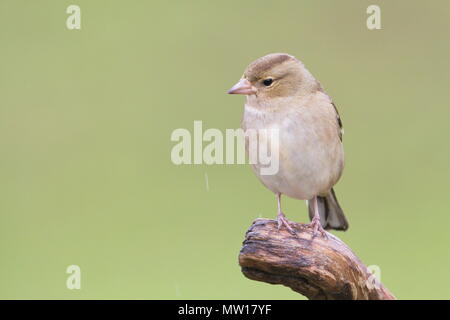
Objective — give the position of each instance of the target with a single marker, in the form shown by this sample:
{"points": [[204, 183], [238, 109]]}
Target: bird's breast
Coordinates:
{"points": [[310, 157]]}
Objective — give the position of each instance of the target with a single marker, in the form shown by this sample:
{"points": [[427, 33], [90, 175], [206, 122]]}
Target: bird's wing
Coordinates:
{"points": [[339, 121]]}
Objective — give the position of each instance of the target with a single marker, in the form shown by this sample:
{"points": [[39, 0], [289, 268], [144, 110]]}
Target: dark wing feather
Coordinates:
{"points": [[339, 121]]}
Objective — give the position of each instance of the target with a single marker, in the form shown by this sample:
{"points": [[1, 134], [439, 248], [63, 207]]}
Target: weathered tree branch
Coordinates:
{"points": [[318, 268]]}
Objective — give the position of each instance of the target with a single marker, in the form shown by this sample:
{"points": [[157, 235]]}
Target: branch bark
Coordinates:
{"points": [[315, 267]]}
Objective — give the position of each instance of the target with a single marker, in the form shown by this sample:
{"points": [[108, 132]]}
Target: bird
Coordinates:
{"points": [[282, 94]]}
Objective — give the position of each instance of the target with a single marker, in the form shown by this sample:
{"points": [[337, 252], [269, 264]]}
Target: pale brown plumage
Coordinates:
{"points": [[282, 94]]}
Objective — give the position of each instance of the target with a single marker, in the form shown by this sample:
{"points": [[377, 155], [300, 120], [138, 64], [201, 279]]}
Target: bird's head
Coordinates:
{"points": [[275, 75]]}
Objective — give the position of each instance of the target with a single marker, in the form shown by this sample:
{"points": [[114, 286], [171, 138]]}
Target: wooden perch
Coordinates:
{"points": [[318, 268]]}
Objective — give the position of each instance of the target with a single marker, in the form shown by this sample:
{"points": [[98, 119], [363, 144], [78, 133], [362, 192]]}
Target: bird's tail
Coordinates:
{"points": [[331, 214]]}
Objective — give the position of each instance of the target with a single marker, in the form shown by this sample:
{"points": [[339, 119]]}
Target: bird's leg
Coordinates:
{"points": [[315, 222], [281, 218]]}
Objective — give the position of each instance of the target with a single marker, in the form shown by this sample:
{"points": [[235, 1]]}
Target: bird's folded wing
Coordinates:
{"points": [[339, 121]]}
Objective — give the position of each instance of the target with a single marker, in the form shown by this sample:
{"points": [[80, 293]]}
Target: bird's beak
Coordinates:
{"points": [[242, 87]]}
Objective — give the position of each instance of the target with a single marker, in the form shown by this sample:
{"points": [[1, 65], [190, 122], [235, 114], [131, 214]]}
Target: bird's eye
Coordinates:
{"points": [[267, 82]]}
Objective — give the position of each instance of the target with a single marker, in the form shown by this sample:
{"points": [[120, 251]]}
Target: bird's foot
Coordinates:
{"points": [[317, 228], [282, 220]]}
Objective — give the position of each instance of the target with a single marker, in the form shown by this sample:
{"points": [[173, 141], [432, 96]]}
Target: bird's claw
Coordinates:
{"points": [[317, 228], [281, 219]]}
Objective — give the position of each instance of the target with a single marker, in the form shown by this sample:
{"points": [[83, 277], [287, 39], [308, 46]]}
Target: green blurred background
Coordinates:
{"points": [[85, 123]]}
